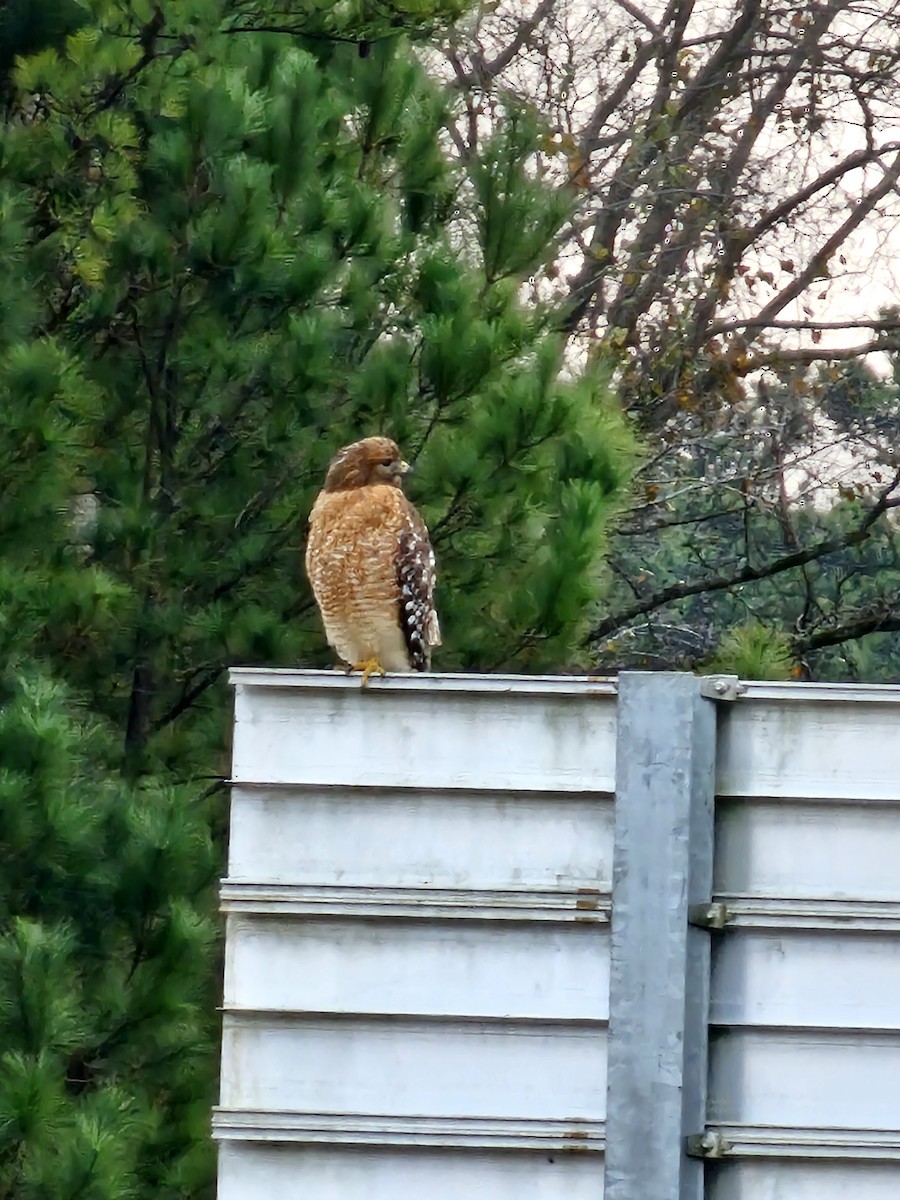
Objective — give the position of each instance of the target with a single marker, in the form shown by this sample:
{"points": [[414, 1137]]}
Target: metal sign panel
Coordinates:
{"points": [[449, 731], [279, 1171], [417, 950], [805, 990], [441, 929]]}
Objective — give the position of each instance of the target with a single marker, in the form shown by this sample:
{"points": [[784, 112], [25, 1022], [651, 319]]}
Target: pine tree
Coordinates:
{"points": [[107, 950], [227, 252], [246, 250]]}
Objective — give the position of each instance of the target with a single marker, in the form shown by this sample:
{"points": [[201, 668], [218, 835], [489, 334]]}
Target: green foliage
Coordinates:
{"points": [[27, 26], [516, 222], [248, 259], [747, 496], [753, 651], [227, 252], [107, 942]]}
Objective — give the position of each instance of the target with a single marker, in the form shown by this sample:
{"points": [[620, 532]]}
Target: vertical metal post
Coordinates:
{"points": [[659, 981]]}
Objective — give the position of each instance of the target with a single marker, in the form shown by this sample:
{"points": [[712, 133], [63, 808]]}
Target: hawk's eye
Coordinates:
{"points": [[387, 462]]}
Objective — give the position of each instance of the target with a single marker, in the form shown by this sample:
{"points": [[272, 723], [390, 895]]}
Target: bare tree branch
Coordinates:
{"points": [[818, 261], [737, 178], [484, 71], [813, 354], [748, 574], [884, 619]]}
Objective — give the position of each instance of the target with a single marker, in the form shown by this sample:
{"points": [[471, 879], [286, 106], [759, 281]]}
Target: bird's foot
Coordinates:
{"points": [[369, 666]]}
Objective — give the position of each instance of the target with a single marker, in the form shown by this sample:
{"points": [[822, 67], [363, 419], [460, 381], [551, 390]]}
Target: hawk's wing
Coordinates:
{"points": [[416, 580]]}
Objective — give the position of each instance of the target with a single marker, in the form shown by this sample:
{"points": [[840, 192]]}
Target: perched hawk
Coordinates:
{"points": [[370, 563]]}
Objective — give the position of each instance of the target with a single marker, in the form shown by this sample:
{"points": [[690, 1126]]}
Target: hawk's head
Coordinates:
{"points": [[373, 460]]}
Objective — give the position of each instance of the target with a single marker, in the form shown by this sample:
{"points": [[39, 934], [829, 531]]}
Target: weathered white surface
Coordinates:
{"points": [[810, 1078], [417, 939], [807, 980], [432, 968], [805, 989], [316, 729], [368, 838], [804, 849], [843, 748], [350, 1173], [402, 1066], [767, 1180], [417, 969]]}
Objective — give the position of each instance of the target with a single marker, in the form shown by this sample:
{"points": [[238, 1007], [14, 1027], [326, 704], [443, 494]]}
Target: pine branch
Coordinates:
{"points": [[188, 697], [148, 41]]}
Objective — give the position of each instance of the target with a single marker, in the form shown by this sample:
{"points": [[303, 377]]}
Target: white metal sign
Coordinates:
{"points": [[456, 968], [417, 954]]}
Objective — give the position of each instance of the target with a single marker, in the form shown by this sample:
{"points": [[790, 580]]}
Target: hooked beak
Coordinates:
{"points": [[406, 468]]}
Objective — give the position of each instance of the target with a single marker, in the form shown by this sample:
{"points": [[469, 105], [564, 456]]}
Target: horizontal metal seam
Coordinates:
{"points": [[236, 1016], [729, 911], [580, 686], [587, 906], [519, 1133], [485, 794], [745, 1141]]}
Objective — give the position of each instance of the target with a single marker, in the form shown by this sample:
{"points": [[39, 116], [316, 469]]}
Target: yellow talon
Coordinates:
{"points": [[369, 666]]}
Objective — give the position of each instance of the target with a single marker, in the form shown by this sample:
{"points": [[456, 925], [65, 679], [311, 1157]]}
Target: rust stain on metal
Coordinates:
{"points": [[587, 904], [577, 1139], [588, 898]]}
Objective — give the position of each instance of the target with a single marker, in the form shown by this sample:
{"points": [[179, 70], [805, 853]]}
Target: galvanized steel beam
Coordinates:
{"points": [[659, 981]]}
